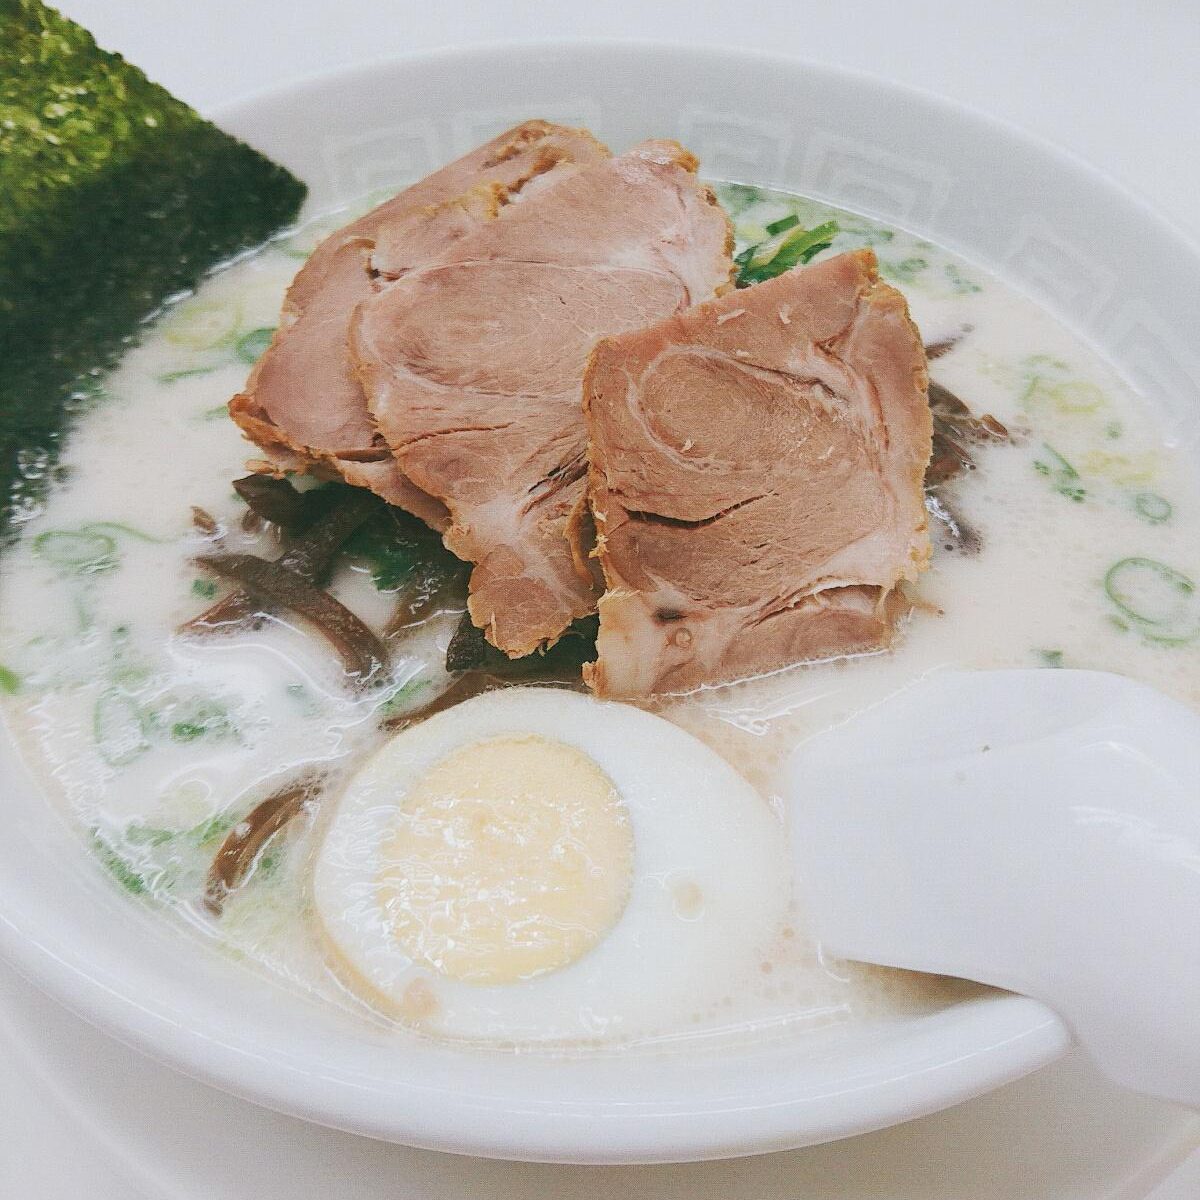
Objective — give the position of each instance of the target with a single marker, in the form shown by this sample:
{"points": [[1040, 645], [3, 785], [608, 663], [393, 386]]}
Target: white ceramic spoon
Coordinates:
{"points": [[1035, 830]]}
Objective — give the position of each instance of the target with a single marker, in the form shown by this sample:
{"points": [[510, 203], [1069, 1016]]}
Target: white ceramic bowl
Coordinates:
{"points": [[1049, 224]]}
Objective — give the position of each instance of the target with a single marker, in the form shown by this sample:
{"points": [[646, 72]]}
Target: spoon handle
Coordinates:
{"points": [[1034, 830]]}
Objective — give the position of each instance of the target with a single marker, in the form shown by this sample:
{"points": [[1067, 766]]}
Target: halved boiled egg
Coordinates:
{"points": [[537, 865]]}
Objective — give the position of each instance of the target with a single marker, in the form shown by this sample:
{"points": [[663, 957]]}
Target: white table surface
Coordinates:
{"points": [[1114, 81]]}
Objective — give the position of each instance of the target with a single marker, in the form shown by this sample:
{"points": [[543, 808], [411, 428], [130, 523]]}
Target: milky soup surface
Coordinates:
{"points": [[156, 745]]}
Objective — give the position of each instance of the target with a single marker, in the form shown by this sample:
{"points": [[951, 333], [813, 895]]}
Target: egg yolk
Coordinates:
{"points": [[511, 857]]}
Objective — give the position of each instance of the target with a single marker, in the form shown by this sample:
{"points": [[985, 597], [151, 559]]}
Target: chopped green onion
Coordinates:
{"points": [[1051, 658], [252, 345], [1064, 478], [960, 282], [129, 672], [88, 549], [269, 864], [906, 270], [82, 550], [117, 729], [738, 197], [124, 530], [210, 830], [147, 835], [1075, 396], [202, 324], [870, 235], [189, 718], [186, 373], [124, 874], [304, 700], [783, 252], [10, 681], [401, 699], [1152, 507], [205, 588], [215, 413], [783, 224], [1160, 601]]}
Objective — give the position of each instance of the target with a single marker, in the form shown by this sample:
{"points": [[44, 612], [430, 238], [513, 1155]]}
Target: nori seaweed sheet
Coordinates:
{"points": [[114, 196]]}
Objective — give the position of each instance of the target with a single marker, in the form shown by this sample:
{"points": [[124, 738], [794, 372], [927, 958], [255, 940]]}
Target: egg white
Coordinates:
{"points": [[709, 890]]}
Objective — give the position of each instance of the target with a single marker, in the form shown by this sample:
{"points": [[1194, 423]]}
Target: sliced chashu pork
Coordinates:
{"points": [[302, 403], [472, 367], [756, 471]]}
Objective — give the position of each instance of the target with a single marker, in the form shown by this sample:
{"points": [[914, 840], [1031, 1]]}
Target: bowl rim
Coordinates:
{"points": [[231, 110], [992, 1041]]}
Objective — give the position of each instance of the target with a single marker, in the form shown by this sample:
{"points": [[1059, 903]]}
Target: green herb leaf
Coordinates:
{"points": [[206, 589], [10, 681], [399, 550], [391, 560]]}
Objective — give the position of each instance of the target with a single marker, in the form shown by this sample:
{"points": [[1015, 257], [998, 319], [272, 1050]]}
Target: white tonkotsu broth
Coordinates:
{"points": [[156, 745]]}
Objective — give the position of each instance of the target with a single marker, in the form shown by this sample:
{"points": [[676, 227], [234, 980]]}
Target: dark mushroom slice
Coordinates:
{"points": [[563, 662], [247, 839], [407, 560], [958, 533], [272, 583], [467, 649], [309, 557], [482, 668], [945, 345], [423, 597], [948, 461], [954, 428], [205, 522], [956, 418], [274, 500], [312, 555]]}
